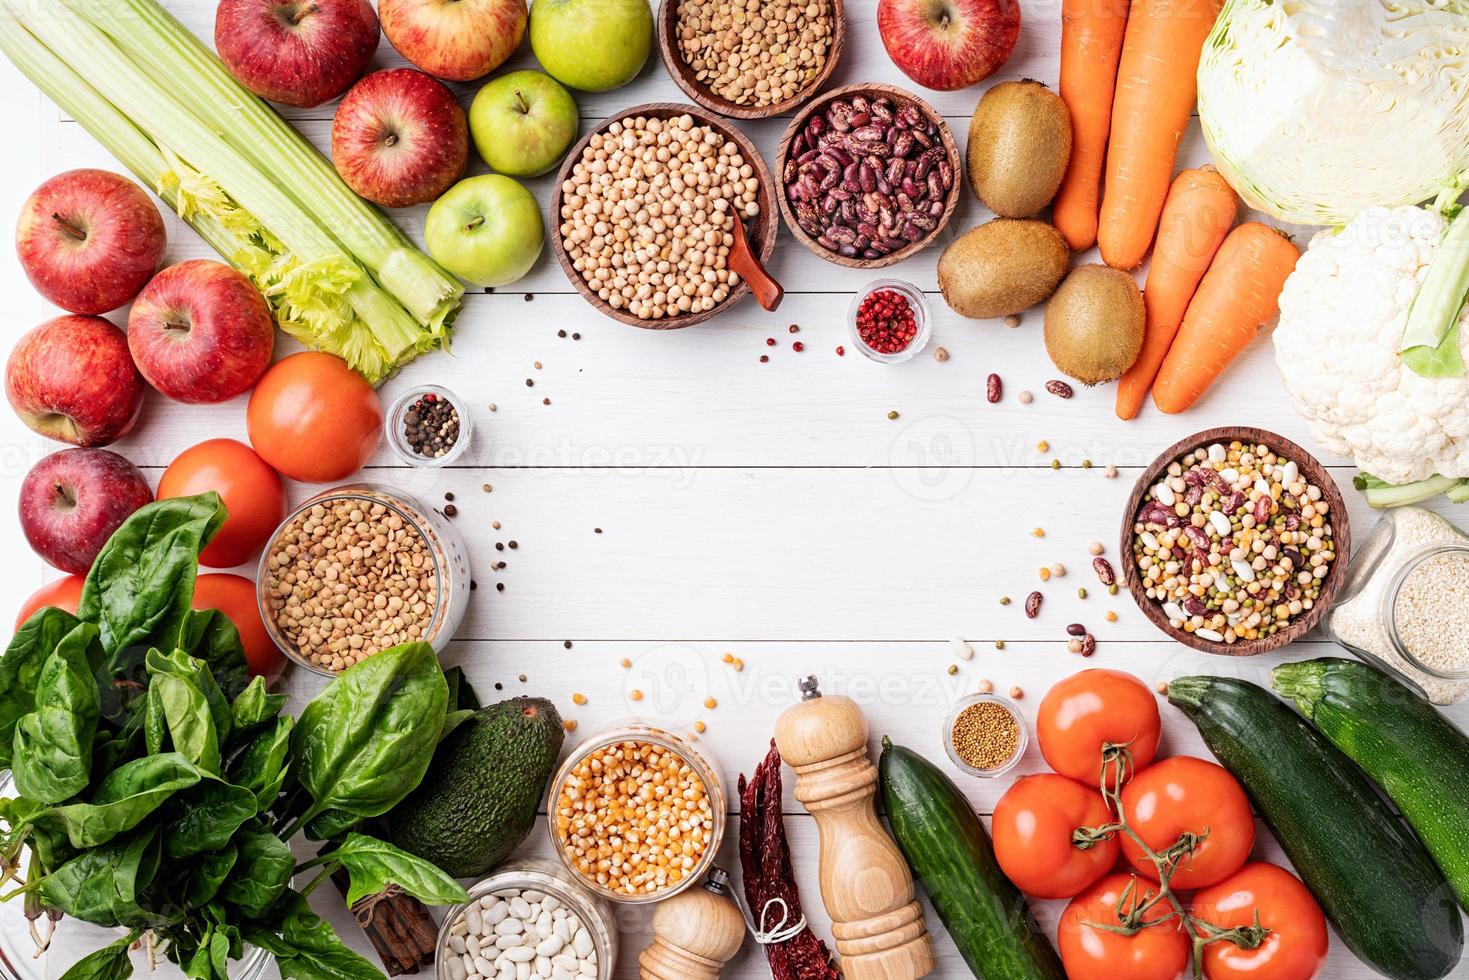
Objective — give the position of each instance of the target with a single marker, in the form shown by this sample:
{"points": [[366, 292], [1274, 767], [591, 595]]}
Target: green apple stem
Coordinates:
{"points": [[475, 223], [524, 105]]}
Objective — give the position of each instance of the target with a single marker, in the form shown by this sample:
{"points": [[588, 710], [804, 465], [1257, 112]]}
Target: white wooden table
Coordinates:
{"points": [[772, 511]]}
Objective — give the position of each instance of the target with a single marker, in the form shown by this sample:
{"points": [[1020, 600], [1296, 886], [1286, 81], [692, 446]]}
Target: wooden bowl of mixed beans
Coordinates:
{"points": [[751, 60], [679, 277], [1235, 541]]}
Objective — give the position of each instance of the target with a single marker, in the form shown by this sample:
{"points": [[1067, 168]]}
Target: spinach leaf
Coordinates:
{"points": [[462, 696], [375, 864], [20, 669], [208, 875], [210, 814], [111, 962], [122, 800], [254, 707], [197, 711], [262, 873], [114, 752], [141, 586], [306, 948], [264, 764], [155, 720], [52, 746], [219, 943], [366, 740], [211, 636], [101, 886]]}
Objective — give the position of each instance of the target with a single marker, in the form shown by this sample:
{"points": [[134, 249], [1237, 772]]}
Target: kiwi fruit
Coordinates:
{"points": [[1002, 267], [1094, 324], [1019, 146]]}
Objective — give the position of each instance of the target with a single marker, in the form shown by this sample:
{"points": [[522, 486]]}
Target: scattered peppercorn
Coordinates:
{"points": [[798, 347], [529, 297], [514, 545], [769, 341], [941, 354], [953, 669], [576, 336], [566, 644], [841, 351], [522, 678], [545, 401], [764, 358], [795, 329], [596, 530], [499, 586], [999, 644], [450, 510], [561, 333]]}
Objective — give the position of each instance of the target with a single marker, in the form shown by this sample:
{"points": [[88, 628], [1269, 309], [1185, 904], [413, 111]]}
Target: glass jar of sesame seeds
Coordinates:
{"points": [[1405, 603]]}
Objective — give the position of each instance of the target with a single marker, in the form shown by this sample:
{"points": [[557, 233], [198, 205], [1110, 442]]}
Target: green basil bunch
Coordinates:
{"points": [[158, 785]]}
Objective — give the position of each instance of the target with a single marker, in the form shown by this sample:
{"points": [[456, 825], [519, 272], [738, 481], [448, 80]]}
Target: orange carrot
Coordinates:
{"points": [[1156, 86], [1238, 295], [1200, 210], [1091, 44]]}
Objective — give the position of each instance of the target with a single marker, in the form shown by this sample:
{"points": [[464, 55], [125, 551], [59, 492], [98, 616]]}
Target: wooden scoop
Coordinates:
{"points": [[743, 262]]}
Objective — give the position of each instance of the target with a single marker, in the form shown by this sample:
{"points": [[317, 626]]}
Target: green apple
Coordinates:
{"points": [[592, 45], [523, 123], [487, 230]]}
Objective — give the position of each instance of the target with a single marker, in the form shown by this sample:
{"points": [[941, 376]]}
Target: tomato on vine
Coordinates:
{"points": [[1151, 945], [1295, 941], [1094, 709], [1033, 831], [1187, 797]]}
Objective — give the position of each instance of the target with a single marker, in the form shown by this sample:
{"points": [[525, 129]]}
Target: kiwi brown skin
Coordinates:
{"points": [[1019, 146], [1094, 324], [1002, 267]]}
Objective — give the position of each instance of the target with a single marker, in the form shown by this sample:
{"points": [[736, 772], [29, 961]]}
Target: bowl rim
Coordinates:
{"points": [[763, 232], [683, 74], [1311, 468], [946, 136]]}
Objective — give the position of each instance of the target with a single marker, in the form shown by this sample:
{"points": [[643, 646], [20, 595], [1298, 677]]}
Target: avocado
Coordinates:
{"points": [[480, 796]]}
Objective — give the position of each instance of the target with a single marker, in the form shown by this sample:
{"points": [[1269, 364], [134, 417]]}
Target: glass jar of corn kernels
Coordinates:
{"points": [[643, 848]]}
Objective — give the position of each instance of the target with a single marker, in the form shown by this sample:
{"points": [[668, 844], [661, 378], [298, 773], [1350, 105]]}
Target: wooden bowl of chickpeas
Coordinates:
{"points": [[751, 59], [642, 215]]}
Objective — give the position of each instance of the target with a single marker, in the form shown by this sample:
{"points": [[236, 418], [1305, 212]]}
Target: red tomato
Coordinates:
{"points": [[1184, 794], [64, 593], [1295, 946], [1032, 831], [313, 418], [1091, 709], [234, 596], [251, 491], [1160, 951]]}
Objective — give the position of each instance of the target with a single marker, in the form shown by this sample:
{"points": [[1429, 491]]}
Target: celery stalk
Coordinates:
{"points": [[164, 48], [323, 276]]}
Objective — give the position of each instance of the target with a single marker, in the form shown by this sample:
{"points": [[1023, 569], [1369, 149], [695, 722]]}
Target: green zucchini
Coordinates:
{"points": [[952, 859], [1418, 757], [1373, 878]]}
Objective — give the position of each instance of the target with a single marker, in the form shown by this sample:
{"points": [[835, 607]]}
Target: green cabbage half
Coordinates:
{"points": [[1316, 110]]}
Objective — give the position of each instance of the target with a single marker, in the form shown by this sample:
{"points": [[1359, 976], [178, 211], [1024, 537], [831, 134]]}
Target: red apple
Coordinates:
{"points": [[72, 379], [948, 44], [89, 239], [296, 52], [201, 332], [460, 40], [72, 501], [399, 138]]}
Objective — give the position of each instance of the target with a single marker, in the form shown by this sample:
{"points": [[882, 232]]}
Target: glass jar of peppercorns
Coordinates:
{"points": [[889, 320], [428, 426]]}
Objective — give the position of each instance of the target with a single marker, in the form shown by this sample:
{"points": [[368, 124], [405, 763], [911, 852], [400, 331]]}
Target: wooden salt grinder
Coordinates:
{"points": [[694, 934], [865, 883]]}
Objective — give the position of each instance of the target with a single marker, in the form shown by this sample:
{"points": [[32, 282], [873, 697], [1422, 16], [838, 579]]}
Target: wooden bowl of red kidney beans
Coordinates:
{"points": [[869, 175]]}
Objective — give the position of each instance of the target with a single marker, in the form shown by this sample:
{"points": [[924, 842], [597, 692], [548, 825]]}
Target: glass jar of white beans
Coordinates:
{"points": [[529, 908]]}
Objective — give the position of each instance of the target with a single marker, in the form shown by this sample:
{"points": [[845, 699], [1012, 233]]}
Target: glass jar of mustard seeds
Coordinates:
{"points": [[1405, 603], [985, 735]]}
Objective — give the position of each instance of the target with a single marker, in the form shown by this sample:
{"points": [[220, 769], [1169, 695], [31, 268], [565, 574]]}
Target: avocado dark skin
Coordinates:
{"points": [[483, 788]]}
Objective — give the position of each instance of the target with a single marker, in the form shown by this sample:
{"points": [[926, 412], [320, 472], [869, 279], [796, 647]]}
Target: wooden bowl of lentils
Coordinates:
{"points": [[1235, 541], [642, 210], [869, 175], [751, 59]]}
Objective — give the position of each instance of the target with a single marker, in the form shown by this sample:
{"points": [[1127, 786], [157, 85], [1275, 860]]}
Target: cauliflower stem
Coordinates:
{"points": [[1382, 495]]}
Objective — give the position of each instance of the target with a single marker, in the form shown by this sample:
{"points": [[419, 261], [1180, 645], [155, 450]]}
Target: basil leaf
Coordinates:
{"points": [[52, 746], [111, 962], [211, 636], [122, 801], [141, 586], [255, 706], [306, 948], [366, 740], [211, 813], [264, 764], [196, 710], [375, 864], [20, 669], [263, 873], [208, 876], [101, 886]]}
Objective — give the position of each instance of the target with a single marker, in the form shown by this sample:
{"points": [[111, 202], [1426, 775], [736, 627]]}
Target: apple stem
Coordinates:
{"points": [[70, 227], [302, 14], [475, 223], [64, 494], [180, 325], [524, 106]]}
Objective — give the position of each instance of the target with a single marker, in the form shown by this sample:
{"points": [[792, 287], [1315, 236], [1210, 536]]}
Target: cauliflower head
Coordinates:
{"points": [[1342, 315]]}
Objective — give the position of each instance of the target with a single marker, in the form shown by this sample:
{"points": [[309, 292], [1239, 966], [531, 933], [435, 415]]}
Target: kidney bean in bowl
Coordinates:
{"points": [[869, 175]]}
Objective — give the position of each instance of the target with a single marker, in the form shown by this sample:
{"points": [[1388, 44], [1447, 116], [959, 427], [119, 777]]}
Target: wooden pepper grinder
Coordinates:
{"points": [[695, 933], [865, 883]]}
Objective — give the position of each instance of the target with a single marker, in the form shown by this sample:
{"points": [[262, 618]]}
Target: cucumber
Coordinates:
{"points": [[1402, 742], [952, 859], [1374, 880]]}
